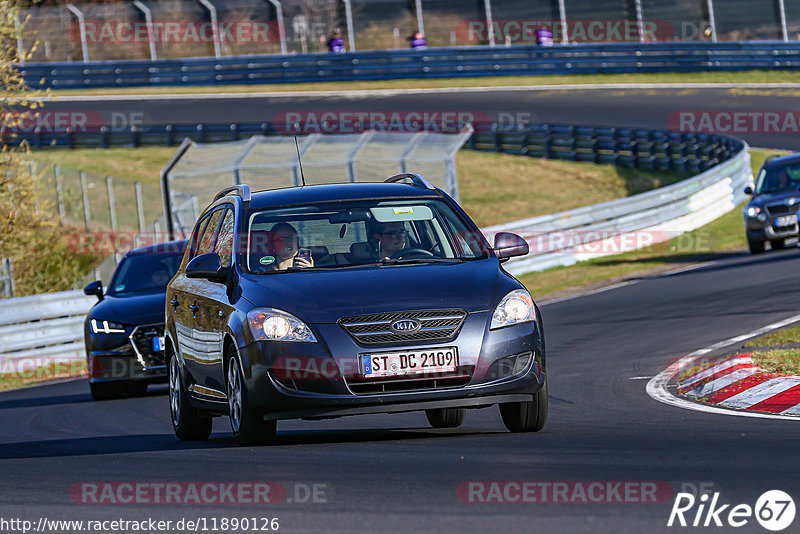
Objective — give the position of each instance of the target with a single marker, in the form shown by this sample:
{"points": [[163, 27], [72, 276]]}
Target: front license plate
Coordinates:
{"points": [[409, 362], [786, 220], [158, 344]]}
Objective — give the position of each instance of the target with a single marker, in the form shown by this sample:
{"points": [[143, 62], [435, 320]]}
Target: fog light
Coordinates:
{"points": [[522, 362]]}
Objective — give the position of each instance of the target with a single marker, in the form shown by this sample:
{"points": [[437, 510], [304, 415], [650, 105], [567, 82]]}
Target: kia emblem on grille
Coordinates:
{"points": [[405, 326]]}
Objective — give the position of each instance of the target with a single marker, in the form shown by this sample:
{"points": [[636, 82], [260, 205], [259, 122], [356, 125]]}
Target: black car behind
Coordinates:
{"points": [[124, 331]]}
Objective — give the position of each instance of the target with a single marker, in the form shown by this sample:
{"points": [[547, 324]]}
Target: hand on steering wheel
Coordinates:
{"points": [[411, 253]]}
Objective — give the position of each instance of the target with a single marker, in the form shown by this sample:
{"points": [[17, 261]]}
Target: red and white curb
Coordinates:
{"points": [[736, 382], [662, 386]]}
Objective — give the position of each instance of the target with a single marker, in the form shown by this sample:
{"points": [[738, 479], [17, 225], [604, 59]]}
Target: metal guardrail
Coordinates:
{"points": [[518, 60], [563, 239], [42, 329]]}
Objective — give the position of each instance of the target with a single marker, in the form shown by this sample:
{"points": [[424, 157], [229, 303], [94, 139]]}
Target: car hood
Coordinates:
{"points": [[792, 197], [133, 309], [327, 296]]}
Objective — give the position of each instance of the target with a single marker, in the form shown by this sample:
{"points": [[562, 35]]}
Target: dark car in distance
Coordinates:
{"points": [[124, 330], [334, 300], [771, 215]]}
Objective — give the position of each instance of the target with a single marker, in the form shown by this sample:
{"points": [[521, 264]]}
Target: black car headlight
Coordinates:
{"points": [[106, 327], [515, 308], [276, 325]]}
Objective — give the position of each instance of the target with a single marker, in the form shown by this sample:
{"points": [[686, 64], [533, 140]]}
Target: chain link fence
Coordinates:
{"points": [[109, 215], [163, 29]]}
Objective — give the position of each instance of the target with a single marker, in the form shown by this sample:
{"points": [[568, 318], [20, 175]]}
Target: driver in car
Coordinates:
{"points": [[391, 238]]}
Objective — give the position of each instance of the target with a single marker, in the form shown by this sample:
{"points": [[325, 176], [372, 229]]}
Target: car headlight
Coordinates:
{"points": [[106, 327], [515, 308], [752, 211], [277, 325]]}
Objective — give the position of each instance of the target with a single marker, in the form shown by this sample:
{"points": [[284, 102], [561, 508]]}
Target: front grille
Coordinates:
{"points": [[373, 329], [372, 386], [142, 341], [782, 209]]}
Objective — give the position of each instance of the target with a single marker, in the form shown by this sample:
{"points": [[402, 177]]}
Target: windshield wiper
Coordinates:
{"points": [[391, 261]]}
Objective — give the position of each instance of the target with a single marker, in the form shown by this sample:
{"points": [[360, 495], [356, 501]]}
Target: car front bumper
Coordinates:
{"points": [[325, 373]]}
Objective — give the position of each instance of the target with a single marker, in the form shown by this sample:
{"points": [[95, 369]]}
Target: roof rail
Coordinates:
{"points": [[416, 179], [242, 191]]}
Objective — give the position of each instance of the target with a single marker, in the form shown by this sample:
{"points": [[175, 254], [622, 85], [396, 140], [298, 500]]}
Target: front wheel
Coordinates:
{"points": [[529, 416], [186, 422], [778, 244], [756, 247], [249, 427], [445, 417]]}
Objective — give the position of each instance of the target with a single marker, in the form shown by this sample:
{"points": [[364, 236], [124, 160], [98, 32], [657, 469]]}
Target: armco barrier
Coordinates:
{"points": [[40, 329], [563, 239], [430, 63]]}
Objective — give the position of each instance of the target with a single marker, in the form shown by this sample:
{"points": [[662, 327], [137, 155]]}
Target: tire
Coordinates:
{"points": [[248, 426], [756, 247], [105, 390], [446, 417], [778, 244], [526, 416], [186, 422]]}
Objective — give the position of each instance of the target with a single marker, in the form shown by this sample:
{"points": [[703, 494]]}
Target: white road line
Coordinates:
{"points": [[755, 333], [416, 91], [762, 391], [640, 378], [725, 381], [702, 375], [657, 386], [794, 410]]}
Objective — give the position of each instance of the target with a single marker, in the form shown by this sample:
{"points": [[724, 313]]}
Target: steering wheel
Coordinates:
{"points": [[411, 253]]}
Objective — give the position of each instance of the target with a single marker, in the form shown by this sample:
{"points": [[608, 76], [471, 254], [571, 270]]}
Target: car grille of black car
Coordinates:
{"points": [[372, 386], [373, 329], [782, 209], [142, 341]]}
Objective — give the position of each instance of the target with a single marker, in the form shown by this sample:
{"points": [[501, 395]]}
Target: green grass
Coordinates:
{"points": [[494, 188], [718, 239], [498, 188], [764, 76], [780, 361], [54, 371], [780, 337]]}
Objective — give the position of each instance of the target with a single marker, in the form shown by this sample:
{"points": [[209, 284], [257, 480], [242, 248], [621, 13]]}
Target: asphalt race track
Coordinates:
{"points": [[642, 108], [393, 473]]}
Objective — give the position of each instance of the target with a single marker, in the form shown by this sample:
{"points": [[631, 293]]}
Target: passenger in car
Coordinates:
{"points": [[285, 246]]}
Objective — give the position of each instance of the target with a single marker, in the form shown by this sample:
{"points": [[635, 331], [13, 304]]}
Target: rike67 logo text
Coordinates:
{"points": [[774, 510]]}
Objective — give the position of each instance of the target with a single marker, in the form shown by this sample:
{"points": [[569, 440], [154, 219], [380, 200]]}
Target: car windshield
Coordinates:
{"points": [[144, 273], [777, 179], [347, 234]]}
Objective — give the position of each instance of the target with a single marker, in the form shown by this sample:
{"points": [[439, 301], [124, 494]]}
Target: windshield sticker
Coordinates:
{"points": [[402, 211], [267, 260], [120, 287]]}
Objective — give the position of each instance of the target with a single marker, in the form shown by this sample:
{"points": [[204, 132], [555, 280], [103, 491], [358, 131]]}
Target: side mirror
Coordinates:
{"points": [[207, 266], [94, 288], [748, 190], [508, 245]]}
